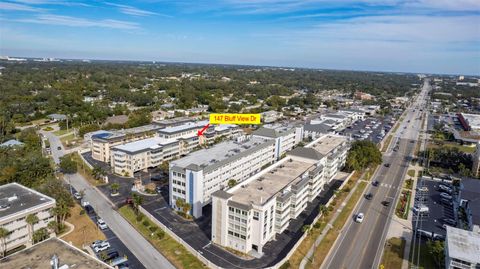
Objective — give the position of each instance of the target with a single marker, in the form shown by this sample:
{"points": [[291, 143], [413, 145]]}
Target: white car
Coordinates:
{"points": [[96, 243], [77, 196], [103, 246], [359, 218], [101, 224]]}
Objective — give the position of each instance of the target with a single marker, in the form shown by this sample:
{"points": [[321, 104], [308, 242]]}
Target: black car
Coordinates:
{"points": [[109, 255], [368, 196], [59, 148], [387, 165], [385, 203], [89, 209], [375, 183]]}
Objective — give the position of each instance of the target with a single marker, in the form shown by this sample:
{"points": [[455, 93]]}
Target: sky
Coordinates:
{"points": [[426, 36]]}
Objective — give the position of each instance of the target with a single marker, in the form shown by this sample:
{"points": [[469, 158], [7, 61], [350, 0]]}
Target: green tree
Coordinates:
{"points": [[40, 235], [231, 183], [68, 165], [137, 202], [322, 210], [437, 249], [3, 238], [115, 187], [31, 220], [61, 211], [98, 172], [363, 154]]}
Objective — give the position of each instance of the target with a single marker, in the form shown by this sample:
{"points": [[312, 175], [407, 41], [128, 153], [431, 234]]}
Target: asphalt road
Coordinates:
{"points": [[139, 246], [360, 245]]}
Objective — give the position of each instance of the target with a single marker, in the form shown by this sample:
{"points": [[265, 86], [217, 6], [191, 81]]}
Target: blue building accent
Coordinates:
{"points": [[190, 191]]}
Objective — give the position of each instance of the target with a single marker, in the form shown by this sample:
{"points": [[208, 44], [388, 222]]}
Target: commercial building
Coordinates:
{"points": [[476, 161], [250, 214], [285, 137], [169, 143], [53, 253], [195, 177], [16, 203], [462, 248]]}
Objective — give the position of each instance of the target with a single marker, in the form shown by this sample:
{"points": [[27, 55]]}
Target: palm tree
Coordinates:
{"points": [[115, 187], [31, 220], [3, 236], [98, 172], [40, 235], [323, 210], [137, 202], [53, 226], [61, 212]]}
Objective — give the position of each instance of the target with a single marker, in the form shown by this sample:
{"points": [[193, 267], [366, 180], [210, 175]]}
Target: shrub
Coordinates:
{"points": [[160, 234], [317, 225], [146, 223], [82, 212], [286, 265], [139, 218], [153, 229]]}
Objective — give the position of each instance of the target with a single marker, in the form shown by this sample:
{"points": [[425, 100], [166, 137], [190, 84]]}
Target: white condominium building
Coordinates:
{"points": [[16, 203], [250, 214], [285, 137], [462, 248], [103, 142], [195, 177], [168, 144]]}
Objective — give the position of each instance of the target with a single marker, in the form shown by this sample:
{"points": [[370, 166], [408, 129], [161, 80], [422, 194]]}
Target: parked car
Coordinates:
{"points": [[368, 196], [423, 189], [103, 246], [446, 196], [450, 222], [89, 209], [446, 201], [387, 165], [359, 218], [77, 196], [375, 183], [101, 224], [420, 209], [445, 189], [109, 255], [96, 243]]}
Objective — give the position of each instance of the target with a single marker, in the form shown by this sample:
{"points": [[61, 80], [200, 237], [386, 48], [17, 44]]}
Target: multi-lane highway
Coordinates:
{"points": [[360, 245]]}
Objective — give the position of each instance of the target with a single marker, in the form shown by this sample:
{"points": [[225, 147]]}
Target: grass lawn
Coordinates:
{"points": [[393, 253], [411, 173], [324, 247], [408, 184], [426, 260], [48, 129], [85, 230], [462, 148], [70, 140], [387, 143], [62, 132], [178, 255]]}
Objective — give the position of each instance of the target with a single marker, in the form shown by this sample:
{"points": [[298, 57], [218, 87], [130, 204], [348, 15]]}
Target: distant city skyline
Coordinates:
{"points": [[423, 36]]}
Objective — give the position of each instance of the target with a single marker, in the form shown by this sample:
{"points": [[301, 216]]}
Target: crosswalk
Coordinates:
{"points": [[388, 186]]}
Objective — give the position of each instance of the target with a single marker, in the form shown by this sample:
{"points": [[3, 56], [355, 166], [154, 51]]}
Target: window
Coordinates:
{"points": [[255, 215]]}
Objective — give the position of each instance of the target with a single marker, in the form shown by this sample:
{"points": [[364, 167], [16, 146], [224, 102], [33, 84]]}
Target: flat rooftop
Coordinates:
{"points": [[463, 244], [145, 144], [473, 120], [15, 198], [39, 256], [270, 183], [184, 127], [120, 133], [328, 143], [219, 153]]}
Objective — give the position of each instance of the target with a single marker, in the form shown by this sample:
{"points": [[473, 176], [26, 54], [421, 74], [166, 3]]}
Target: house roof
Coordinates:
{"points": [[11, 143]]}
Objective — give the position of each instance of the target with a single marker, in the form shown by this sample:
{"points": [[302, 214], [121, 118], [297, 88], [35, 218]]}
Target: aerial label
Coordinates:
{"points": [[234, 118]]}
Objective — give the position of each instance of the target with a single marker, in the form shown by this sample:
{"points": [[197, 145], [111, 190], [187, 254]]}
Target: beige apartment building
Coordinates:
{"points": [[16, 203]]}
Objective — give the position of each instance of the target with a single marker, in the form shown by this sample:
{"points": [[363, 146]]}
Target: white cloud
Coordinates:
{"points": [[51, 19], [130, 10], [18, 7], [51, 2]]}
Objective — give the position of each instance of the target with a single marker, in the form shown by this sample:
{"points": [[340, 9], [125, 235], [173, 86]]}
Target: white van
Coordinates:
{"points": [[420, 209]]}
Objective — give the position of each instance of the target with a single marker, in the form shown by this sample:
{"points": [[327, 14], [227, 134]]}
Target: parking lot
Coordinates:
{"points": [[373, 129], [115, 243], [431, 224]]}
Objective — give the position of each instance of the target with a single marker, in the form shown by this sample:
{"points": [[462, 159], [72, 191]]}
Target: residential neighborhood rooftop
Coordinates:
{"points": [[463, 244], [145, 144], [328, 143]]}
